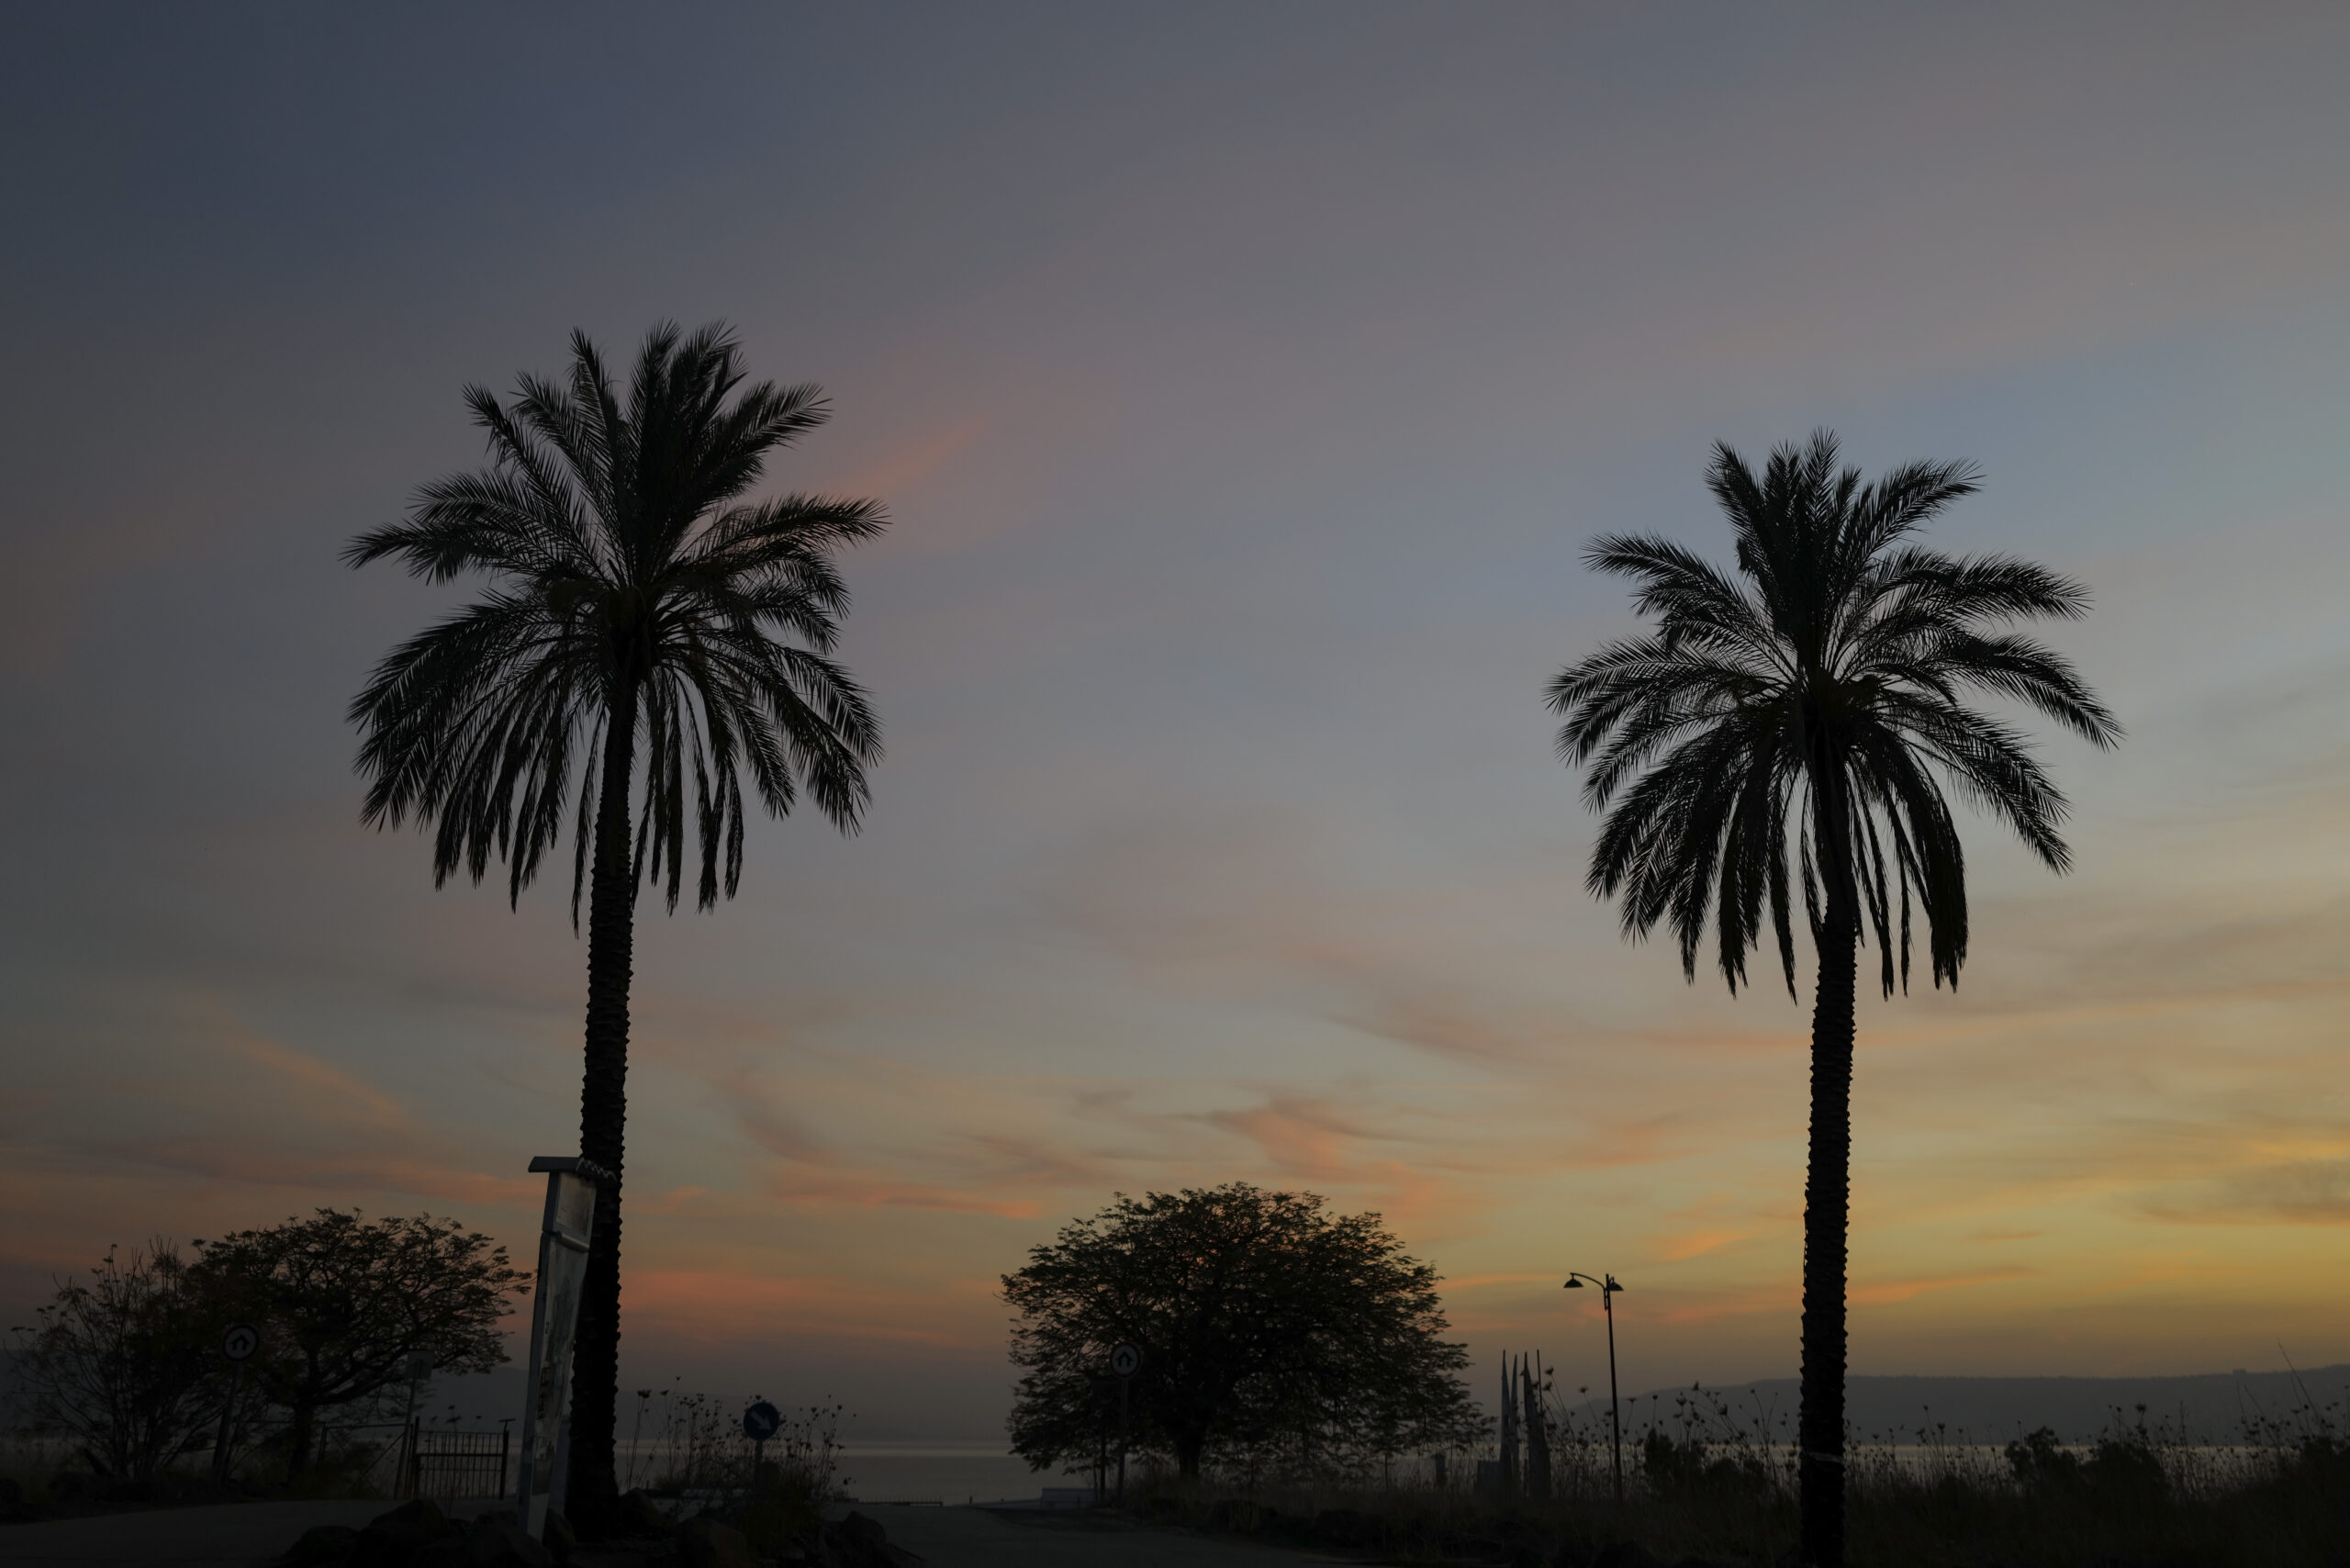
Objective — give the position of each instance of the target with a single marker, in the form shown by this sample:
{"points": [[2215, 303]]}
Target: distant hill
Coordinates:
{"points": [[2207, 1407]]}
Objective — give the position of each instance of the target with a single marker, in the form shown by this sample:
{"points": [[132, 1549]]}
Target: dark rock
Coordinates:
{"points": [[1624, 1555], [560, 1539], [703, 1542], [414, 1524], [493, 1541], [636, 1514], [857, 1541], [326, 1544]]}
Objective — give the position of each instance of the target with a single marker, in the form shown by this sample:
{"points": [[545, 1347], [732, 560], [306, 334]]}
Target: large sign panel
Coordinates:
{"points": [[554, 1317]]}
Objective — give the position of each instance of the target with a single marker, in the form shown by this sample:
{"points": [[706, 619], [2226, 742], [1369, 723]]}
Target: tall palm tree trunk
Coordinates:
{"points": [[1819, 1429], [1827, 1183], [592, 1485]]}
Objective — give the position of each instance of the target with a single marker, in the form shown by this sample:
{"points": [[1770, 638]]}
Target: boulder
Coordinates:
{"points": [[636, 1514], [857, 1541], [1624, 1555], [415, 1524], [324, 1544], [561, 1540], [493, 1541], [703, 1542]]}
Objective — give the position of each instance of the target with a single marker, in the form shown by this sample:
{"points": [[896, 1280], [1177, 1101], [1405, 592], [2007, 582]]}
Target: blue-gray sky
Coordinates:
{"points": [[1244, 382]]}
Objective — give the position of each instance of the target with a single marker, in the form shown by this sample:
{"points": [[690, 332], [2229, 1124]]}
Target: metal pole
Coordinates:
{"points": [[413, 1467], [1615, 1415], [228, 1418], [1124, 1384], [1100, 1404]]}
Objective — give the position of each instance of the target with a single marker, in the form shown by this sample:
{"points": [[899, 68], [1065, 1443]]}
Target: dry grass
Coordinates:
{"points": [[2138, 1495]]}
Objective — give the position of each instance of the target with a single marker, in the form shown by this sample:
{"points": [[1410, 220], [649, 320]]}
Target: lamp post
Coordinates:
{"points": [[1607, 1289]]}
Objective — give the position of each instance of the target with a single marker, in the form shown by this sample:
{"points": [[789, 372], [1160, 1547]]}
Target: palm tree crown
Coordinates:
{"points": [[629, 574], [1817, 704]]}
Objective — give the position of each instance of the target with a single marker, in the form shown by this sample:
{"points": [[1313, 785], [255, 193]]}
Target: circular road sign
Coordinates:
{"points": [[240, 1341], [1125, 1359], [761, 1421]]}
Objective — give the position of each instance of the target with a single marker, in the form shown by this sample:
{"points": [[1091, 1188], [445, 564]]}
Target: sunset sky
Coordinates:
{"points": [[1243, 382]]}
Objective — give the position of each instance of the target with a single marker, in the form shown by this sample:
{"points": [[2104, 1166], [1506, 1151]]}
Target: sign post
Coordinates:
{"points": [[563, 1237], [760, 1422], [419, 1367], [237, 1347], [1125, 1359]]}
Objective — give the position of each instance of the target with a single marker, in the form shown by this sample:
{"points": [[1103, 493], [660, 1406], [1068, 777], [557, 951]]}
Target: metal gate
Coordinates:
{"points": [[457, 1464]]}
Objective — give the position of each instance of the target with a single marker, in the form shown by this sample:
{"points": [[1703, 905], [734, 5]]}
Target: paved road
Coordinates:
{"points": [[232, 1535], [980, 1538], [249, 1535]]}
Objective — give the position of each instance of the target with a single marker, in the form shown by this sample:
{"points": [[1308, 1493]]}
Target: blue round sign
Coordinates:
{"points": [[761, 1421]]}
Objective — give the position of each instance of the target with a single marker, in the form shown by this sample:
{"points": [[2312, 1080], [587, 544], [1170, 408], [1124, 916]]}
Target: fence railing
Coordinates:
{"points": [[446, 1463]]}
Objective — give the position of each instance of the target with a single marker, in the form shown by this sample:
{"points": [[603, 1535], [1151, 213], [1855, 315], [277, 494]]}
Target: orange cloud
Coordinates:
{"points": [[1298, 1135], [324, 1086], [880, 1192], [1479, 1282], [1886, 1293], [912, 463], [708, 1304], [1696, 1244]]}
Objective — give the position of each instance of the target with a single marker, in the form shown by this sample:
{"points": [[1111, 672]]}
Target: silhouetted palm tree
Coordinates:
{"points": [[646, 621], [1805, 727]]}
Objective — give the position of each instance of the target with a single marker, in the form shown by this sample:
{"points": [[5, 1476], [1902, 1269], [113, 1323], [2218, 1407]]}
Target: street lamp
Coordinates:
{"points": [[1607, 1289]]}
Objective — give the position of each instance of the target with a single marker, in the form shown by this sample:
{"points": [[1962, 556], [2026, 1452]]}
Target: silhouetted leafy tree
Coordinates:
{"points": [[1270, 1331], [1803, 728], [644, 615], [343, 1302], [126, 1365]]}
